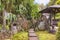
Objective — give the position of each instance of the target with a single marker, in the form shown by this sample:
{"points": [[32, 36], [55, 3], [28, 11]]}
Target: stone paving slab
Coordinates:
{"points": [[31, 31], [32, 35]]}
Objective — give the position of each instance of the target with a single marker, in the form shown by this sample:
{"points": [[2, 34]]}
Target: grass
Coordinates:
{"points": [[20, 36], [44, 35]]}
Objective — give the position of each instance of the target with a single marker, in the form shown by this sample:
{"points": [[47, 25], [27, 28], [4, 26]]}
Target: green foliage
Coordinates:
{"points": [[20, 36], [58, 33], [57, 2], [24, 7], [32, 9], [57, 16], [7, 27], [52, 2], [44, 35], [0, 26], [1, 7], [35, 11]]}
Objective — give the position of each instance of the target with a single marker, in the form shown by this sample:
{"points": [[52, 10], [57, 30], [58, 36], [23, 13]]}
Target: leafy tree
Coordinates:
{"points": [[25, 8], [52, 2], [58, 33], [57, 2]]}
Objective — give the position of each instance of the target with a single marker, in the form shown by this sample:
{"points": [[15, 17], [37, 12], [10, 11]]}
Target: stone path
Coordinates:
{"points": [[32, 35]]}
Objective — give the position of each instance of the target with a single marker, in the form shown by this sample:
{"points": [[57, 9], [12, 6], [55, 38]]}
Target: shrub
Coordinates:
{"points": [[20, 36], [58, 33]]}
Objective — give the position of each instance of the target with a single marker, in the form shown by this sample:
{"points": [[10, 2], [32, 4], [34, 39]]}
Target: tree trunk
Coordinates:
{"points": [[4, 20]]}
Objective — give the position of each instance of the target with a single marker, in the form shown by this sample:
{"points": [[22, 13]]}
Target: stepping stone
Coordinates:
{"points": [[33, 38], [31, 30], [32, 35]]}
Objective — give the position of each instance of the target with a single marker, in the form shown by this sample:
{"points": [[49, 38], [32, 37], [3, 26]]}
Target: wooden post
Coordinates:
{"points": [[54, 16], [50, 19]]}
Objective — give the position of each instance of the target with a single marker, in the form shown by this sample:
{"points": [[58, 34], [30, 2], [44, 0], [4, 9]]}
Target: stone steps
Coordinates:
{"points": [[32, 35]]}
